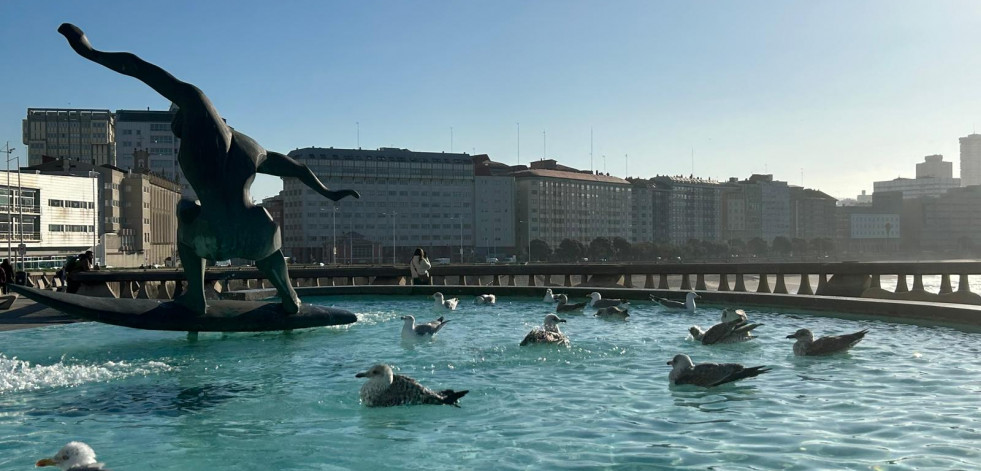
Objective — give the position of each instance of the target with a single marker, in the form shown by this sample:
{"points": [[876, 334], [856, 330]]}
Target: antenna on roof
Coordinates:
{"points": [[692, 160], [543, 144], [591, 168], [519, 142]]}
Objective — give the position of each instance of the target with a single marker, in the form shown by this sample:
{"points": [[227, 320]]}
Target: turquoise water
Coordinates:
{"points": [[907, 397]]}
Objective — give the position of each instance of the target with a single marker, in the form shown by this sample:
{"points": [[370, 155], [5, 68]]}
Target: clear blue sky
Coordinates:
{"points": [[848, 91]]}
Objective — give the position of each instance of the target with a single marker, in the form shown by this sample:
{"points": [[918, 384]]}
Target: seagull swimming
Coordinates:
{"points": [[734, 328], [549, 333], [554, 298], [76, 456], [683, 371], [614, 312], [445, 303], [807, 346], [566, 307], [597, 301], [688, 305], [412, 331], [385, 388], [485, 299]]}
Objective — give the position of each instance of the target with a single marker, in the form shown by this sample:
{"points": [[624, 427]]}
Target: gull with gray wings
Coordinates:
{"points": [[384, 388], [806, 345], [683, 371]]}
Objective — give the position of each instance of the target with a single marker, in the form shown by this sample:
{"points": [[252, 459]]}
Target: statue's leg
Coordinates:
{"points": [[274, 267], [193, 265], [285, 166], [183, 94]]}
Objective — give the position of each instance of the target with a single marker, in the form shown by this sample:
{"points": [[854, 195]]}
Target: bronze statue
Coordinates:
{"points": [[220, 164]]}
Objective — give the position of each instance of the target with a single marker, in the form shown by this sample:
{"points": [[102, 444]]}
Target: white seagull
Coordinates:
{"points": [[683, 371], [549, 333], [597, 301], [410, 330], [445, 303], [807, 346], [385, 388], [485, 299], [688, 305], [554, 298], [76, 456]]}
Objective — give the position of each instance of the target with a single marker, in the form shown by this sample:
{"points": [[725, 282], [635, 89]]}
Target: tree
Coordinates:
{"points": [[540, 250], [643, 251], [782, 246], [600, 248], [569, 250], [622, 249], [799, 246], [823, 245], [756, 246], [737, 247]]}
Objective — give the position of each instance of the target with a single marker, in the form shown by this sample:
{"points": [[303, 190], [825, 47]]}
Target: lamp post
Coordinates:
{"points": [[9, 194], [333, 230]]}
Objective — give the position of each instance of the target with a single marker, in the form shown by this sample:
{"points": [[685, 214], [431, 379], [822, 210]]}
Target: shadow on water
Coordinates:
{"points": [[712, 399], [167, 400]]}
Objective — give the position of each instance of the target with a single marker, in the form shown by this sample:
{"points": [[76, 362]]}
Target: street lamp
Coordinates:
{"points": [[9, 194], [333, 230], [392, 214]]}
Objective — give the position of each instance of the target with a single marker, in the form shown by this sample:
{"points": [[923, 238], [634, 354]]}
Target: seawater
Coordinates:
{"points": [[907, 397]]}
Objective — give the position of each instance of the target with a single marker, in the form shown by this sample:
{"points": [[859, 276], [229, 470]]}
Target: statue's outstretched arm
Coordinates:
{"points": [[183, 94], [285, 166]]}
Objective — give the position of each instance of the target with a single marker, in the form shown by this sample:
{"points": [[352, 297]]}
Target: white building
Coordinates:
{"points": [[54, 216], [933, 178], [145, 140], [971, 160], [408, 200], [556, 202]]}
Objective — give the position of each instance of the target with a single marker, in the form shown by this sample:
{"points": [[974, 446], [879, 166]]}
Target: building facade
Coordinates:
{"points": [[408, 200], [555, 202], [686, 208], [758, 207], [933, 178], [971, 160], [79, 134], [812, 214]]}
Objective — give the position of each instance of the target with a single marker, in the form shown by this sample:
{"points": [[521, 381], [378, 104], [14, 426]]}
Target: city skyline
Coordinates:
{"points": [[794, 89]]}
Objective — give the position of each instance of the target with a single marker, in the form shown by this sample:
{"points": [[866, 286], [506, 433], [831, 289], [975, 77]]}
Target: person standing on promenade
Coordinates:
{"points": [[419, 267]]}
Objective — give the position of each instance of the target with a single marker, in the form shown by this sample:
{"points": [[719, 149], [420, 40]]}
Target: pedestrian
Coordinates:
{"points": [[419, 267], [8, 272], [82, 263]]}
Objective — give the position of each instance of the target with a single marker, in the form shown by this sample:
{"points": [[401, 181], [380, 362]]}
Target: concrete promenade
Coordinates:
{"points": [[25, 314]]}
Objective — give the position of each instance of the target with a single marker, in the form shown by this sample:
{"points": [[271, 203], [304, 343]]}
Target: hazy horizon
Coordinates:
{"points": [[832, 95]]}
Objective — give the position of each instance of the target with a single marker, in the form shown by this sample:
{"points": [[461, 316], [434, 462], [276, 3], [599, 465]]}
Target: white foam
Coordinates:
{"points": [[20, 375]]}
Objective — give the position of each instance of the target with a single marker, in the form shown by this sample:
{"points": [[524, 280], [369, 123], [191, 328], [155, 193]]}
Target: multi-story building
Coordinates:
{"points": [[145, 140], [686, 208], [274, 205], [408, 200], [933, 178], [493, 207], [79, 134], [812, 214], [554, 202], [757, 207], [971, 160], [138, 223], [872, 229], [53, 216], [641, 210], [952, 221]]}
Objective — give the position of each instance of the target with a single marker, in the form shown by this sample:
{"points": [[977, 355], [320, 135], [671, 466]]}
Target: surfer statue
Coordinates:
{"points": [[220, 164]]}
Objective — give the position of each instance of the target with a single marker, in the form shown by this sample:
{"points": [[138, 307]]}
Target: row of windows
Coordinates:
{"points": [[69, 228], [70, 204]]}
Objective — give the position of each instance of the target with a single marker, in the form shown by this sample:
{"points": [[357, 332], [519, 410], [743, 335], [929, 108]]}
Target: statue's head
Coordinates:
{"points": [[178, 123]]}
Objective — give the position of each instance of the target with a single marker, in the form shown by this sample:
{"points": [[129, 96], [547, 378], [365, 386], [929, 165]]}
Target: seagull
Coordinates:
{"points": [[412, 331], [683, 371], [807, 346], [566, 307], [554, 298], [688, 305], [485, 299], [734, 328], [549, 333], [598, 301], [76, 456], [445, 303], [385, 388], [614, 312]]}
